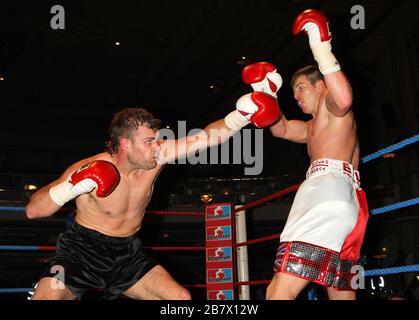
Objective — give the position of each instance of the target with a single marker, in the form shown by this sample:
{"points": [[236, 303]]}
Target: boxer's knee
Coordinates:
{"points": [[285, 287], [182, 294]]}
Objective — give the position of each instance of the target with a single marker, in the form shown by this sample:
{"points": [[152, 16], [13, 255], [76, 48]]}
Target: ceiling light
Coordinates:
{"points": [[30, 187], [206, 198], [1, 79], [243, 60], [117, 43]]}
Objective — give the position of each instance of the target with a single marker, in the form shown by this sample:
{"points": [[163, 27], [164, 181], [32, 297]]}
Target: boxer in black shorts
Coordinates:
{"points": [[91, 259], [112, 191]]}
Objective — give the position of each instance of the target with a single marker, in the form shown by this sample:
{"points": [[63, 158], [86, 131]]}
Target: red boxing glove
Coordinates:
{"points": [[262, 76], [260, 108], [103, 173], [99, 174], [264, 79], [316, 25]]}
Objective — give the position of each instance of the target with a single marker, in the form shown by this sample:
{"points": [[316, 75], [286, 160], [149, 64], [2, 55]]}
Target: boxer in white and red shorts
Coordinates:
{"points": [[324, 232], [323, 235]]}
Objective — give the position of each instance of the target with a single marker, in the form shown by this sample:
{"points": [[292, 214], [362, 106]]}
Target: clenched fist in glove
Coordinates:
{"points": [[257, 107], [99, 174], [262, 76], [316, 25]]}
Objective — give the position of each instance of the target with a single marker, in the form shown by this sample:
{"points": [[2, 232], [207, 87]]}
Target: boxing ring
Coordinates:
{"points": [[226, 243]]}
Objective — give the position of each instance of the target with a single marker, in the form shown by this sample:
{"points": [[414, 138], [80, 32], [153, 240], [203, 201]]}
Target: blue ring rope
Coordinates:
{"points": [[376, 211], [22, 248], [15, 290], [368, 273], [385, 271], [391, 148], [395, 206], [16, 209]]}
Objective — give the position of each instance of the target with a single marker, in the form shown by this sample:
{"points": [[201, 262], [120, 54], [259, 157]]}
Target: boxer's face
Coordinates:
{"points": [[143, 149], [306, 94]]}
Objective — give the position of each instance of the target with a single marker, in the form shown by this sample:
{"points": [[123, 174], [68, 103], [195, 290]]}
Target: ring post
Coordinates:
{"points": [[242, 256]]}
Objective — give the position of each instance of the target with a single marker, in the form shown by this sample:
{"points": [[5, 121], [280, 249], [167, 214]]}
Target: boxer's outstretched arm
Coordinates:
{"points": [[215, 133], [258, 108]]}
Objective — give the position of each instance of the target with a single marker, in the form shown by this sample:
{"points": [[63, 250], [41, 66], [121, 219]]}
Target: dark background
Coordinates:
{"points": [[182, 60]]}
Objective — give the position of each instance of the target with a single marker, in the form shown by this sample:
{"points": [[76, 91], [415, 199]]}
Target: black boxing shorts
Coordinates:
{"points": [[86, 259]]}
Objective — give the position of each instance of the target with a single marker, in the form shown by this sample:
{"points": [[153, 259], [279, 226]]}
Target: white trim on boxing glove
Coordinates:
{"points": [[235, 120], [61, 193], [65, 191], [322, 53], [263, 86]]}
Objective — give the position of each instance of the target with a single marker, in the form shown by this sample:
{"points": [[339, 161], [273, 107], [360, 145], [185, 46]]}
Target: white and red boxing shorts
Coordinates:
{"points": [[322, 237]]}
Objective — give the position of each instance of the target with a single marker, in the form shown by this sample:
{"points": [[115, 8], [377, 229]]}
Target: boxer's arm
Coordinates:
{"points": [[259, 108], [41, 205], [316, 26], [292, 130], [339, 98], [215, 133]]}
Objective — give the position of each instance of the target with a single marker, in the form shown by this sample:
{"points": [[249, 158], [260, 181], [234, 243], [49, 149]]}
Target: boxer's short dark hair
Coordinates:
{"points": [[124, 124], [312, 73]]}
